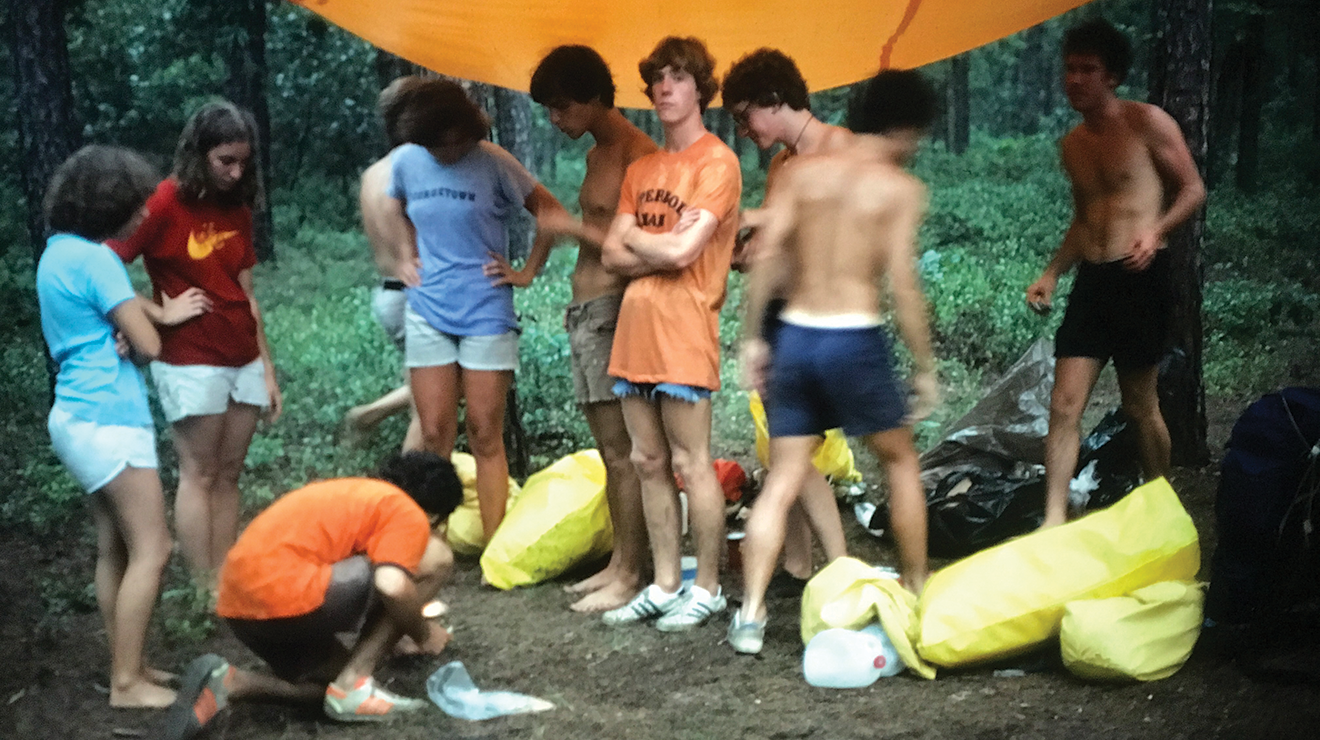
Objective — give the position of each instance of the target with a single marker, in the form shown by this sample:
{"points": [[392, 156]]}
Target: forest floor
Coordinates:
{"points": [[636, 682]]}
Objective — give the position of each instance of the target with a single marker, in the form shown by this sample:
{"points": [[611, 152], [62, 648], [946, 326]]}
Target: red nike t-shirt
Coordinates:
{"points": [[199, 244]]}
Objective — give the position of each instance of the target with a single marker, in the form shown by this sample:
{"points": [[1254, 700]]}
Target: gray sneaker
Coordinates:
{"points": [[699, 606], [745, 636], [651, 602]]}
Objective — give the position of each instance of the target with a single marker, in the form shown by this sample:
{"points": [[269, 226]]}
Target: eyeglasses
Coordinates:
{"points": [[740, 115]]}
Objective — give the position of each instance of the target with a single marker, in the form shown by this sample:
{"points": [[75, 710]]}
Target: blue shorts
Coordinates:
{"points": [[652, 391], [826, 378]]}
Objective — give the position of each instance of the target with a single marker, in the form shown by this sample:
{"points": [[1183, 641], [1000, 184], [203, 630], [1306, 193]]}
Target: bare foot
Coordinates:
{"points": [[141, 695], [354, 431], [156, 675], [594, 583], [612, 596]]}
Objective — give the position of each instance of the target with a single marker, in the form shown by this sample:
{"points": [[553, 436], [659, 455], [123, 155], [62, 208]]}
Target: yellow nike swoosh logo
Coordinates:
{"points": [[202, 243]]}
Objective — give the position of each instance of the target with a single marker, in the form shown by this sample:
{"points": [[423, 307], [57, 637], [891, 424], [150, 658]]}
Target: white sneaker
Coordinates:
{"points": [[699, 606], [745, 636], [651, 602]]}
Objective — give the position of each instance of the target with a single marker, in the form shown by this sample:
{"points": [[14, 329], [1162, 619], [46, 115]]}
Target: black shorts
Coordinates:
{"points": [[293, 647], [1114, 312]]}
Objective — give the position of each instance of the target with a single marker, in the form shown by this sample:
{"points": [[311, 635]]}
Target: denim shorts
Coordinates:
{"points": [[653, 391], [430, 347]]}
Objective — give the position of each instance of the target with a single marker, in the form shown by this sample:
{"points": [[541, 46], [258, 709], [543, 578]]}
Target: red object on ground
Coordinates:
{"points": [[731, 476]]}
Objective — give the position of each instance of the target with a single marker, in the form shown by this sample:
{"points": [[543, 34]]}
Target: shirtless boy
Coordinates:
{"points": [[673, 237], [1125, 161], [384, 229], [576, 88], [767, 97], [839, 223]]}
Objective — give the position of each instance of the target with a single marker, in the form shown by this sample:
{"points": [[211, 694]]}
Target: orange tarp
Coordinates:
{"points": [[835, 42]]}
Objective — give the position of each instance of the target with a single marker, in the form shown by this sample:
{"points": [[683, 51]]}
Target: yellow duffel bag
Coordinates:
{"points": [[1010, 598], [833, 458], [1146, 635], [464, 531], [850, 594], [561, 519]]}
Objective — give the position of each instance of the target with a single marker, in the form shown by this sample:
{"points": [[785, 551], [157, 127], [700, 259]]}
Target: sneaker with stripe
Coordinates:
{"points": [[203, 693], [699, 606], [367, 702], [651, 602]]}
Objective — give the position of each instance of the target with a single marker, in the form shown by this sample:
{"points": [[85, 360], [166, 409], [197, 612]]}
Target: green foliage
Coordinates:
{"points": [[186, 611]]}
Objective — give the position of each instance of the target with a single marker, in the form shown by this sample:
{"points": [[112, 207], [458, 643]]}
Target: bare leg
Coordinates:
{"points": [[240, 424], [486, 392], [1141, 404], [435, 394], [650, 458], [412, 439], [196, 438], [687, 429], [817, 503], [796, 558], [133, 539], [622, 577], [790, 466], [1074, 377], [361, 420], [907, 502]]}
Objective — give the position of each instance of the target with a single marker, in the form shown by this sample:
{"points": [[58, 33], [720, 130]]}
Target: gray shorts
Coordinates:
{"points": [[430, 347], [590, 328], [388, 305]]}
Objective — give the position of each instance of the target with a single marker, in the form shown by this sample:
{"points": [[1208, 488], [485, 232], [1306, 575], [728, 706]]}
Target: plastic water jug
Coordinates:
{"points": [[850, 659]]}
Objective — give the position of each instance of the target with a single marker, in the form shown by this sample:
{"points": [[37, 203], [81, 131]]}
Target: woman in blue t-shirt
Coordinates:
{"points": [[100, 426], [459, 191]]}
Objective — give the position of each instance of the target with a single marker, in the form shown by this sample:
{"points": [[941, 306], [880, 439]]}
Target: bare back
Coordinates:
{"points": [[380, 218], [599, 199], [1117, 189], [853, 219]]}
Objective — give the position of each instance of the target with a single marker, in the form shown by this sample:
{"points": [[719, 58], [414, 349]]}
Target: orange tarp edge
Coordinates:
{"points": [[834, 42]]}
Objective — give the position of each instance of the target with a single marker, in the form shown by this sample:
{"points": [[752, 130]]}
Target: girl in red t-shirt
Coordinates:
{"points": [[215, 374]]}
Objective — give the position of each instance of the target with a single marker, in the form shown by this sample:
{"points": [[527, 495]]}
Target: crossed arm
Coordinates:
{"points": [[630, 251]]}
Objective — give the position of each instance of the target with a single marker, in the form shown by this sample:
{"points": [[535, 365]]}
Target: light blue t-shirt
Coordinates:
{"points": [[460, 211], [79, 283]]}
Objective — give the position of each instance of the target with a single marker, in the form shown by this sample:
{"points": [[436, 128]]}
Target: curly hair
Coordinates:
{"points": [[766, 78], [427, 478], [1099, 37], [684, 54], [97, 191], [895, 99], [216, 123], [574, 73], [393, 100], [434, 107]]}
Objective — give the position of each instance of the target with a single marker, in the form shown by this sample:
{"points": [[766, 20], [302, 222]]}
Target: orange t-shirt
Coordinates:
{"points": [[668, 330], [280, 566]]}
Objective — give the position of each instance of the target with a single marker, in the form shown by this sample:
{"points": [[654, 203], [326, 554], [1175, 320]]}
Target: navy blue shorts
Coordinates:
{"points": [[1114, 312], [826, 378]]}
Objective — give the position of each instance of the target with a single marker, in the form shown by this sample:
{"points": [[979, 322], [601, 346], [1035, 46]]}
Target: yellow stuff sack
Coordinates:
{"points": [[1010, 597], [561, 519], [833, 458], [850, 594], [464, 530], [1146, 635]]}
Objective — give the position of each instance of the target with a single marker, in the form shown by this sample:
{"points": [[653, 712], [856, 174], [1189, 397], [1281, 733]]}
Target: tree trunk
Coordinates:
{"points": [[1180, 84], [1253, 100], [1225, 111], [1035, 81], [389, 68], [244, 52], [958, 103], [47, 133], [513, 131]]}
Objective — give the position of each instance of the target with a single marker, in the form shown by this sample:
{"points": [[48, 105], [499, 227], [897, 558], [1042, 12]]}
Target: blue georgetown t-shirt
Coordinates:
{"points": [[460, 211], [79, 283]]}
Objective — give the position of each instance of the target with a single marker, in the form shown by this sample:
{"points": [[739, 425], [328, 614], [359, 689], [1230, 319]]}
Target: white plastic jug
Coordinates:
{"points": [[850, 659]]}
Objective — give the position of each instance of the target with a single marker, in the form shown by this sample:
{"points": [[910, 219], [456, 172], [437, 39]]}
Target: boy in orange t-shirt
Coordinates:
{"points": [[673, 236], [343, 555]]}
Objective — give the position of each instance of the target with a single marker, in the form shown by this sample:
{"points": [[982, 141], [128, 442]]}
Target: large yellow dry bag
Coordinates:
{"points": [[1011, 597], [464, 531], [833, 458], [561, 519], [1146, 635]]}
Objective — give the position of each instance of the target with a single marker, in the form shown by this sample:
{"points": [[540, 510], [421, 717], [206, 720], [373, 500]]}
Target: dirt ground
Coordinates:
{"points": [[636, 682]]}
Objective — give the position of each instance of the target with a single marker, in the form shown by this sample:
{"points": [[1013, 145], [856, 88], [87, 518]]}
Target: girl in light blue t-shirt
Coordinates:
{"points": [[100, 425]]}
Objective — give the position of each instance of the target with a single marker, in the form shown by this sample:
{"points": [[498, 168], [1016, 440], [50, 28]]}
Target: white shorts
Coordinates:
{"points": [[388, 305], [429, 347], [96, 453], [204, 390]]}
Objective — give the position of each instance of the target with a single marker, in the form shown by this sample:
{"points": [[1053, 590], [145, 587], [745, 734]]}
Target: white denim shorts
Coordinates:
{"points": [[203, 390], [96, 453], [389, 305], [429, 347]]}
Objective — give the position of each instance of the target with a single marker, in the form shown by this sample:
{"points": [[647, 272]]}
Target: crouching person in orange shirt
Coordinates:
{"points": [[343, 555]]}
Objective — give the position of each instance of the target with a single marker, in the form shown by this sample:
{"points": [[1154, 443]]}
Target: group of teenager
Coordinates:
{"points": [[831, 248]]}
